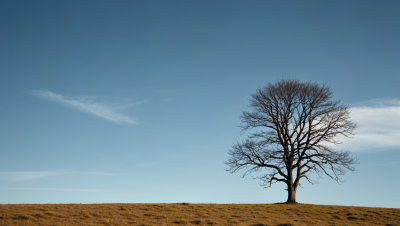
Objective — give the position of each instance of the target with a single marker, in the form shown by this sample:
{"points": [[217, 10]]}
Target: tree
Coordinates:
{"points": [[298, 123]]}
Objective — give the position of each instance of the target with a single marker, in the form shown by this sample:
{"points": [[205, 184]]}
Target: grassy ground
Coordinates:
{"points": [[195, 214]]}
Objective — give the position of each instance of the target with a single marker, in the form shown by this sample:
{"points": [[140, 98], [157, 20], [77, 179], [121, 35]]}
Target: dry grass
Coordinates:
{"points": [[195, 214]]}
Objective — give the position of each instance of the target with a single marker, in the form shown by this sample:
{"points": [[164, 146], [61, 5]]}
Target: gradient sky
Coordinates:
{"points": [[139, 101]]}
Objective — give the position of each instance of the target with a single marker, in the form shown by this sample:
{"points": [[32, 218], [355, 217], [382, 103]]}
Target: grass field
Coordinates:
{"points": [[195, 214]]}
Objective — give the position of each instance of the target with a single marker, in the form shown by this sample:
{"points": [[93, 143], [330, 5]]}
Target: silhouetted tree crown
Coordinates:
{"points": [[295, 122]]}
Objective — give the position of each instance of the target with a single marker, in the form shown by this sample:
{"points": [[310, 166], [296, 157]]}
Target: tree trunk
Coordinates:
{"points": [[291, 188], [291, 194]]}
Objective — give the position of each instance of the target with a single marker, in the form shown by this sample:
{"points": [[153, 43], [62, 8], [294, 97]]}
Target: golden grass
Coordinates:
{"points": [[195, 214]]}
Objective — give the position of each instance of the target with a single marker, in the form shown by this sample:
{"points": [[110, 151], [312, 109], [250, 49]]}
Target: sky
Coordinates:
{"points": [[139, 101]]}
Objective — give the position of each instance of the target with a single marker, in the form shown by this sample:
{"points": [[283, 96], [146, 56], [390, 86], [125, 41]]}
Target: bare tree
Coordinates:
{"points": [[296, 122]]}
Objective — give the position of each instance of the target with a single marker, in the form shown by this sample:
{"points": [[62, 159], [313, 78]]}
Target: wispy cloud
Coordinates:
{"points": [[31, 175], [57, 189], [378, 124], [88, 104]]}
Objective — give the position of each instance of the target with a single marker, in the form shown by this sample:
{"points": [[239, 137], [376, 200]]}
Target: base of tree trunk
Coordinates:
{"points": [[290, 202], [287, 203]]}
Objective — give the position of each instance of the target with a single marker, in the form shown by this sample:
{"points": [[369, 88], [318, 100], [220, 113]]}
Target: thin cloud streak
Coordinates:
{"points": [[378, 125], [56, 189], [86, 104], [32, 175]]}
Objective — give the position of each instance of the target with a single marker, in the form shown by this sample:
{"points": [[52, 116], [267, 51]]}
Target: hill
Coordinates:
{"points": [[195, 214]]}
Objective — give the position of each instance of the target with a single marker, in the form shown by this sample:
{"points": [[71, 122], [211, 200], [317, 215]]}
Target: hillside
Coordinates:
{"points": [[195, 214]]}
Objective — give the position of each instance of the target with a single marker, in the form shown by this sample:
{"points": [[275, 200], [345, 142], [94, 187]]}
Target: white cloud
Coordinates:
{"points": [[58, 189], [31, 175], [86, 104], [378, 124]]}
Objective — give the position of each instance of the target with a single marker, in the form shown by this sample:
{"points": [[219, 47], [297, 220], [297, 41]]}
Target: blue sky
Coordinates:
{"points": [[139, 101]]}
